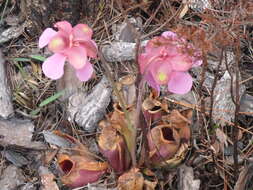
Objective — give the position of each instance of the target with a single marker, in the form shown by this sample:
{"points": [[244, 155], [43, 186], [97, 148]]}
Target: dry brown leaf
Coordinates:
{"points": [[131, 180], [222, 137]]}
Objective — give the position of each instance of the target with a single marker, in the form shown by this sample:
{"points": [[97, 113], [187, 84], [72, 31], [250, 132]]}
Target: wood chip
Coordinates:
{"points": [[6, 107], [47, 179], [88, 110], [11, 178], [18, 132], [187, 181]]}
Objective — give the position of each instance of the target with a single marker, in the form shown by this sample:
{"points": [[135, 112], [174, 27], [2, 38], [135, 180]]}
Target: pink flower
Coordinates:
{"points": [[166, 60], [68, 44]]}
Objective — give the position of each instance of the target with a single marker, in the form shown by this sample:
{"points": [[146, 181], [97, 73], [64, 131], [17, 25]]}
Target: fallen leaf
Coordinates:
{"points": [[133, 180]]}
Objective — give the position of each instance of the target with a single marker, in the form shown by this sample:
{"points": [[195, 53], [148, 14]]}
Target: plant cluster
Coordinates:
{"points": [[165, 61]]}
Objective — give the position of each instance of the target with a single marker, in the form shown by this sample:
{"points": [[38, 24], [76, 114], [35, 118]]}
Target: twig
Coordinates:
{"points": [[202, 103], [3, 13], [212, 90], [237, 108]]}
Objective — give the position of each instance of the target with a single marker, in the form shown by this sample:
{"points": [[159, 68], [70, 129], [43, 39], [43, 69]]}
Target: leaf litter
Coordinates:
{"points": [[208, 167]]}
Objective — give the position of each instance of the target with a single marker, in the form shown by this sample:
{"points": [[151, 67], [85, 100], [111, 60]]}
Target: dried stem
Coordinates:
{"points": [[237, 109], [213, 87], [129, 133], [202, 108]]}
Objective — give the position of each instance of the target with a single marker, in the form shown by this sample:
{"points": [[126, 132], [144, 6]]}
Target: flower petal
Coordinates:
{"points": [[64, 26], [85, 73], [149, 78], [58, 43], [46, 36], [82, 32], [181, 62], [91, 48], [161, 71], [169, 34], [53, 67], [77, 56], [180, 82]]}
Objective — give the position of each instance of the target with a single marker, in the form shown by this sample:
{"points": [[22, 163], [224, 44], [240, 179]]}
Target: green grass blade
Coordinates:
{"points": [[34, 112], [38, 57], [51, 98], [21, 59]]}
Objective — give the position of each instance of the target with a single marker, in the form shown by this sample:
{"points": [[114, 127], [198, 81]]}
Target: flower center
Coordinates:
{"points": [[56, 44], [85, 29], [162, 77]]}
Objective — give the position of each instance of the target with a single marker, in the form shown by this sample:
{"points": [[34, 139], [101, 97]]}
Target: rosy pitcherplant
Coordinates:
{"points": [[166, 60], [72, 44]]}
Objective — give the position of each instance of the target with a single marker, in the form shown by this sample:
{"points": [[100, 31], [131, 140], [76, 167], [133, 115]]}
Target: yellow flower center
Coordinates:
{"points": [[162, 76], [85, 29], [56, 43]]}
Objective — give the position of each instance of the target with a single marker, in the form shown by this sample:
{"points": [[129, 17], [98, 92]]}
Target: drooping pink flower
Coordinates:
{"points": [[72, 44], [166, 61]]}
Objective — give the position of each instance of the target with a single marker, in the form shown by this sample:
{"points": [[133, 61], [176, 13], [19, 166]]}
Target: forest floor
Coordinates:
{"points": [[37, 114]]}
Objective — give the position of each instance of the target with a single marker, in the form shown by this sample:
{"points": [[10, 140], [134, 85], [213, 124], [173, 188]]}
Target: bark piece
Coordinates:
{"points": [[199, 5], [187, 181], [18, 132], [16, 158], [223, 99], [6, 107], [12, 177], [246, 104], [28, 186], [120, 51], [187, 98], [12, 33], [47, 179], [54, 139], [245, 178], [124, 32], [88, 110]]}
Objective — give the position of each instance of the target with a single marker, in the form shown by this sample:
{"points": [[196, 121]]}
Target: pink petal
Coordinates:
{"points": [[77, 56], [180, 82], [85, 73], [169, 34], [181, 62], [82, 32], [161, 71], [46, 36], [64, 26], [91, 48], [197, 63], [150, 80], [53, 67], [58, 43]]}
